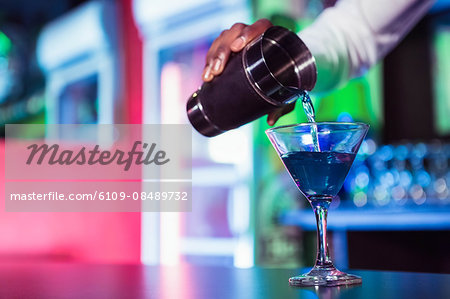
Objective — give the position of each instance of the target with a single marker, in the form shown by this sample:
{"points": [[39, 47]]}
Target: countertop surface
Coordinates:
{"points": [[70, 280]]}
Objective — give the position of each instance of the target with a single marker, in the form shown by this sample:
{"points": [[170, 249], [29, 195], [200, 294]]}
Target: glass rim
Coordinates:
{"points": [[275, 129]]}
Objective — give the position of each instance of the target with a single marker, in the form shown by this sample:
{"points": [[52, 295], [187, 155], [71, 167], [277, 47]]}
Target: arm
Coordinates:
{"points": [[352, 36], [345, 40]]}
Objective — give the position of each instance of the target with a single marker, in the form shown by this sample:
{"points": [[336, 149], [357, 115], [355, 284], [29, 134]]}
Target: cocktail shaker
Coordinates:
{"points": [[271, 71]]}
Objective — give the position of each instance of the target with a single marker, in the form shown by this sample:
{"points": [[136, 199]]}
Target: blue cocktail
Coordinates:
{"points": [[318, 157]]}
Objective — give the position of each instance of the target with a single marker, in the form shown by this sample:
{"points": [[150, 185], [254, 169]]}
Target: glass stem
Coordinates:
{"points": [[320, 207]]}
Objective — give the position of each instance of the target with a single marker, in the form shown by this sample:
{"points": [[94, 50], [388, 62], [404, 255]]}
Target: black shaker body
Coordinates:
{"points": [[269, 73], [227, 104]]}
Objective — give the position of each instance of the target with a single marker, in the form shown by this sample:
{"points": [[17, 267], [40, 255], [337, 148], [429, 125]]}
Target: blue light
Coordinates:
{"points": [[344, 117], [440, 6]]}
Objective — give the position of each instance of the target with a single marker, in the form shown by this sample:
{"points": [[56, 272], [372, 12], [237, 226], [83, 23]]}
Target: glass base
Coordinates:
{"points": [[328, 277]]}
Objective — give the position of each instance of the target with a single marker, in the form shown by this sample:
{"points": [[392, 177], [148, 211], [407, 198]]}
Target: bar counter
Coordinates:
{"points": [[70, 280]]}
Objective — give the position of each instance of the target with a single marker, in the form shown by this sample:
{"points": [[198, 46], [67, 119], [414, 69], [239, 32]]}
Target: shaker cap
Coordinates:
{"points": [[279, 65]]}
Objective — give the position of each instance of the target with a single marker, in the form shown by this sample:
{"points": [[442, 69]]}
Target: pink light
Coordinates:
{"points": [[170, 238], [171, 113], [172, 105]]}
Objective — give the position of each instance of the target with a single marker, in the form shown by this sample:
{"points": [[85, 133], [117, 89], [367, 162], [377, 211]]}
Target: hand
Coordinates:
{"points": [[234, 40], [231, 40]]}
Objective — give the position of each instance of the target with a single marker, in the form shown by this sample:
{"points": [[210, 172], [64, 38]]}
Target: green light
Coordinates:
{"points": [[360, 97], [441, 82], [5, 44]]}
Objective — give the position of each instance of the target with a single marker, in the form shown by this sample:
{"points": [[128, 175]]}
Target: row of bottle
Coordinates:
{"points": [[399, 175]]}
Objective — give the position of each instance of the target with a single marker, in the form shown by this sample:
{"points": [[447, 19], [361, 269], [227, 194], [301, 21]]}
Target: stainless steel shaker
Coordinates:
{"points": [[270, 72]]}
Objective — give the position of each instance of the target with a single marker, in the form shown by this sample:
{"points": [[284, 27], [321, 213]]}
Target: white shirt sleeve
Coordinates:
{"points": [[352, 36]]}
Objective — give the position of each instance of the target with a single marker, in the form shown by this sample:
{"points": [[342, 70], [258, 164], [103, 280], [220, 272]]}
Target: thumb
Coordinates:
{"points": [[273, 116]]}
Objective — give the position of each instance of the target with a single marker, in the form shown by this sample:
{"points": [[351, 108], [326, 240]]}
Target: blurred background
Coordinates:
{"points": [[137, 61]]}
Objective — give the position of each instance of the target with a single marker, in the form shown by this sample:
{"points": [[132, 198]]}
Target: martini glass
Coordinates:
{"points": [[318, 157]]}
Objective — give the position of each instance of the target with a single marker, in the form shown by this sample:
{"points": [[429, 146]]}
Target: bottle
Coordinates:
{"points": [[271, 71]]}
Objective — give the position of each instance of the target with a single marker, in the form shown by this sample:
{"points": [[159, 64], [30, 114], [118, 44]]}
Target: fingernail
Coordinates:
{"points": [[207, 73], [216, 64], [238, 43]]}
